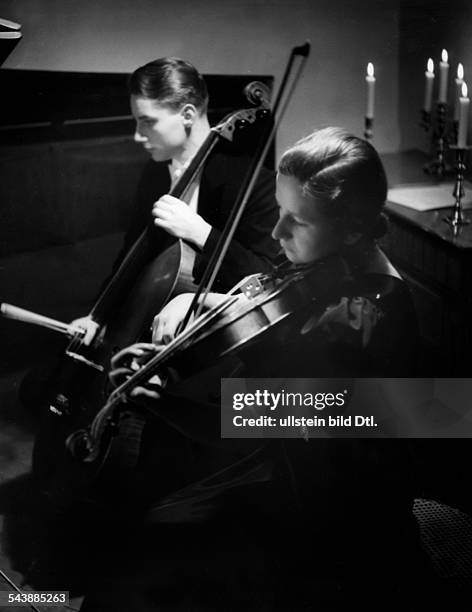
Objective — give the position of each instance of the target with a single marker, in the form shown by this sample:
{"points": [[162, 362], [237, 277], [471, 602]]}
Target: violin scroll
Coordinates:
{"points": [[87, 444]]}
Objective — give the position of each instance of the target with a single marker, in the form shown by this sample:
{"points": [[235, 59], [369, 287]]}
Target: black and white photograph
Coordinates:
{"points": [[235, 305]]}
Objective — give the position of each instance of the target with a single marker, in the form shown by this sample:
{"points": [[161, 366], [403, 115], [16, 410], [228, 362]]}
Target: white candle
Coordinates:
{"points": [[443, 75], [428, 89], [464, 103], [459, 81], [370, 80]]}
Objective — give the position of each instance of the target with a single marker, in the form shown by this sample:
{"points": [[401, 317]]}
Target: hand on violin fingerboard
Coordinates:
{"points": [[178, 219], [128, 361], [166, 324]]}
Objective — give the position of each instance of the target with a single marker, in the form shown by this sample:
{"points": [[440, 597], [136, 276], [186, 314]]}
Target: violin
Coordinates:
{"points": [[260, 309]]}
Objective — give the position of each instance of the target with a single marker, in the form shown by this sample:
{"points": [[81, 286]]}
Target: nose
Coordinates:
{"points": [[280, 229], [138, 137]]}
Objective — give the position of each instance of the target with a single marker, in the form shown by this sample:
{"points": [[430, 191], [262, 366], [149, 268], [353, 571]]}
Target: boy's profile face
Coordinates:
{"points": [[161, 130]]}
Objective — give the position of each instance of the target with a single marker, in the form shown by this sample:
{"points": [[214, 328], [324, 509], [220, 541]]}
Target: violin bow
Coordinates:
{"points": [[216, 259]]}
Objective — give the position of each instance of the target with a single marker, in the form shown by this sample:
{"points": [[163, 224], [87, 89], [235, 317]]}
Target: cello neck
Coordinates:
{"points": [[145, 246]]}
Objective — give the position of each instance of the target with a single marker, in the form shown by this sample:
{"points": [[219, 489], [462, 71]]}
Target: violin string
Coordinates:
{"points": [[119, 395], [149, 368], [192, 329], [109, 293]]}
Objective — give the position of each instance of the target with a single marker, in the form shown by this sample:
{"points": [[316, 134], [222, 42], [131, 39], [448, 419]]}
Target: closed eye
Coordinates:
{"points": [[147, 121]]}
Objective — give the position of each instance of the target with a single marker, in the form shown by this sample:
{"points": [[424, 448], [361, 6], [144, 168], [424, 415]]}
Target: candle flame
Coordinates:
{"points": [[444, 55], [430, 65], [370, 69], [460, 71], [464, 90]]}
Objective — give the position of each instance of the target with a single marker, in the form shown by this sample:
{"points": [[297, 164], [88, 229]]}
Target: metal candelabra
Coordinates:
{"points": [[456, 219], [437, 167]]}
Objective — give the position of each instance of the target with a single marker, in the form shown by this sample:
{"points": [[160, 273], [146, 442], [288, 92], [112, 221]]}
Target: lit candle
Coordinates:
{"points": [[464, 103], [370, 80], [428, 90], [443, 74], [459, 81]]}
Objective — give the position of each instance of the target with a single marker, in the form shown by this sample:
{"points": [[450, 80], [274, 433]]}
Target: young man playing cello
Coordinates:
{"points": [[169, 101]]}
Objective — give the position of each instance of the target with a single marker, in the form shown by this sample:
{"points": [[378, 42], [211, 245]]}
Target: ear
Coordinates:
{"points": [[189, 113]]}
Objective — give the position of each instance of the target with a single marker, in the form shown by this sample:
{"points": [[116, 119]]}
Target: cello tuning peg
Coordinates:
{"points": [[262, 113], [241, 124]]}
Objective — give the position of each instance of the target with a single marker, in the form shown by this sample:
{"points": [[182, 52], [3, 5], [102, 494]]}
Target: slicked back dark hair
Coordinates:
{"points": [[172, 82], [345, 175]]}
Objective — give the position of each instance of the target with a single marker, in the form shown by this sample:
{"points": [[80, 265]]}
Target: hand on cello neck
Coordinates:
{"points": [[180, 220]]}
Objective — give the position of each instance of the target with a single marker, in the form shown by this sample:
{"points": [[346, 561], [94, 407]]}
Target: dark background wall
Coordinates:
{"points": [[64, 202], [254, 36], [230, 37]]}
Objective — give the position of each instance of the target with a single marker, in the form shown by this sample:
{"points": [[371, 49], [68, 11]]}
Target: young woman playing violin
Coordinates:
{"points": [[325, 522], [331, 188]]}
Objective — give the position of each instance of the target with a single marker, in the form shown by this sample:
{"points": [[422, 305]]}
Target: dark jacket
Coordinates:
{"points": [[252, 248], [362, 323]]}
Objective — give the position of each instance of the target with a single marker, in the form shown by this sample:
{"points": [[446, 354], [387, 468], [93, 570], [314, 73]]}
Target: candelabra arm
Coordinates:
{"points": [[438, 166]]}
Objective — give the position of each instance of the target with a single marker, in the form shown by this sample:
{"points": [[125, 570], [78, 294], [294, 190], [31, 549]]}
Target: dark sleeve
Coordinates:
{"points": [[358, 334], [154, 182], [372, 331], [252, 249]]}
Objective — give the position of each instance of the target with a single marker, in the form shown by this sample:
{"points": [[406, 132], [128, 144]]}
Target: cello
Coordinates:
{"points": [[156, 268], [88, 371]]}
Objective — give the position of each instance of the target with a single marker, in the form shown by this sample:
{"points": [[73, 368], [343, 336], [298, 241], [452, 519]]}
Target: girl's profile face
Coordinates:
{"points": [[304, 232]]}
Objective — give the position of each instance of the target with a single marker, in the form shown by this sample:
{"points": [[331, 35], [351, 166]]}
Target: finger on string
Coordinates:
{"points": [[134, 350], [167, 337], [164, 333], [145, 347], [148, 352], [118, 375], [143, 391]]}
